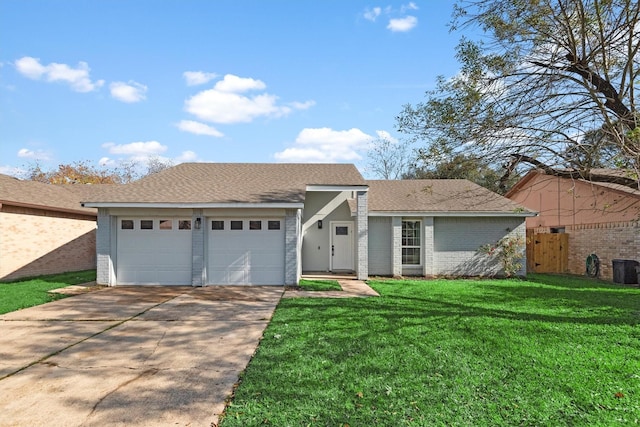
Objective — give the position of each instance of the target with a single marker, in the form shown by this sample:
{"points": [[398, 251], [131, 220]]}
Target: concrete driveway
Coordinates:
{"points": [[130, 356]]}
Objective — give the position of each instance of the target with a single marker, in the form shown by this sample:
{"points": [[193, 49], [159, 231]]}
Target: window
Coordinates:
{"points": [[166, 224], [236, 225], [255, 225], [411, 243], [146, 224], [273, 225], [342, 231], [126, 224], [217, 225], [184, 224]]}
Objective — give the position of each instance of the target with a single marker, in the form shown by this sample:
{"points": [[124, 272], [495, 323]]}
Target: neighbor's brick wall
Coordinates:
{"points": [[34, 242], [608, 241]]}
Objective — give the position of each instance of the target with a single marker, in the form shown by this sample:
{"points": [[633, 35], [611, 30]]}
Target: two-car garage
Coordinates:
{"points": [[238, 251]]}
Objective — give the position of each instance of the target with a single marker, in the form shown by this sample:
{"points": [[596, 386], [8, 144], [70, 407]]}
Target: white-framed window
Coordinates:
{"points": [[411, 242]]}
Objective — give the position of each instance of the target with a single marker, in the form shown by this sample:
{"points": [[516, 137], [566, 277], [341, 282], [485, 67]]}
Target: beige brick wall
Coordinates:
{"points": [[36, 243], [608, 241]]}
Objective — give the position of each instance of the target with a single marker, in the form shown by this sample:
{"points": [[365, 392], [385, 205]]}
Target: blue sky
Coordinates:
{"points": [[212, 80]]}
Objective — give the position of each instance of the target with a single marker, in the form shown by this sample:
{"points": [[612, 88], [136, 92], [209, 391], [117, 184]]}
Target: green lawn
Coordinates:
{"points": [[320, 285], [33, 291], [548, 351]]}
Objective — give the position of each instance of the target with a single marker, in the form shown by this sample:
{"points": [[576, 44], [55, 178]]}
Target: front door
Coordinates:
{"points": [[342, 246]]}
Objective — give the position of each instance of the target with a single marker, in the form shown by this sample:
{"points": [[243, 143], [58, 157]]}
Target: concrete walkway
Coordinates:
{"points": [[130, 356], [350, 289]]}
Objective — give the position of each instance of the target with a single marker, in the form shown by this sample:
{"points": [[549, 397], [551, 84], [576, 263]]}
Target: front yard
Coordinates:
{"points": [[28, 292], [548, 351]]}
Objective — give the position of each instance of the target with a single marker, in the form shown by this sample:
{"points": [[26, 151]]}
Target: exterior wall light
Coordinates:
{"points": [[319, 224], [198, 223]]}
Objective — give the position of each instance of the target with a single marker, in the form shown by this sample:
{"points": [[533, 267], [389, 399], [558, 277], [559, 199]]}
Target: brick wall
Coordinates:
{"points": [[44, 242], [608, 241]]}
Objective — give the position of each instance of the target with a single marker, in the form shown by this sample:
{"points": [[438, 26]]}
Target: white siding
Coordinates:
{"points": [[380, 245], [316, 243]]}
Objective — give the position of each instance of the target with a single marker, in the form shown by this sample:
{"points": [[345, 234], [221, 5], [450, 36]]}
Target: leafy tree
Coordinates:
{"points": [[550, 78], [80, 172], [83, 172]]}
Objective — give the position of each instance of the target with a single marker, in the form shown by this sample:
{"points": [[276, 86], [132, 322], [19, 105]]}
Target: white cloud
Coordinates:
{"points": [[402, 24], [128, 92], [227, 103], [326, 145], [136, 149], [383, 134], [198, 128], [77, 78], [372, 14], [13, 171], [106, 161], [235, 84], [399, 21], [194, 78], [25, 153], [409, 6], [186, 156]]}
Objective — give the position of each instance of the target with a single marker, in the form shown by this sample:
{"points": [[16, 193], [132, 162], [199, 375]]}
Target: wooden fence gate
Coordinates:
{"points": [[547, 252]]}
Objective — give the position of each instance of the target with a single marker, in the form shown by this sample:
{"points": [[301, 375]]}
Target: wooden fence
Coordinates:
{"points": [[547, 252]]}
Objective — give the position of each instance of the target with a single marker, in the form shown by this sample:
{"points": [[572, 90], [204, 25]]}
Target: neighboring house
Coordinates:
{"points": [[263, 224], [44, 229], [600, 218]]}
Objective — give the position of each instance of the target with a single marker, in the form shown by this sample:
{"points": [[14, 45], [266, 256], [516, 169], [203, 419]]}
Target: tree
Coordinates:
{"points": [[80, 172], [389, 159], [83, 172], [552, 78], [460, 166]]}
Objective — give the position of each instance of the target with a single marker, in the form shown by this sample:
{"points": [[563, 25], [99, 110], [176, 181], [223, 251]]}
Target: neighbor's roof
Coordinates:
{"points": [[615, 173], [33, 194], [211, 183], [450, 196]]}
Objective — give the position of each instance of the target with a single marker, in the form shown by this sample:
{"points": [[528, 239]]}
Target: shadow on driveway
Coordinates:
{"points": [[134, 356]]}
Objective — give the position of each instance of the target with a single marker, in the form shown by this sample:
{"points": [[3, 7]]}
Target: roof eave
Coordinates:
{"points": [[47, 208], [337, 187], [453, 214], [238, 205]]}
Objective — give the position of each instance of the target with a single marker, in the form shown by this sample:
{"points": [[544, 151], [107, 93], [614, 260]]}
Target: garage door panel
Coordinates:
{"points": [[159, 257], [245, 256]]}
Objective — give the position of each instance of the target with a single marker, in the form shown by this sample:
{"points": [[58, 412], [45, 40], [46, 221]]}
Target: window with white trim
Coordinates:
{"points": [[411, 242]]}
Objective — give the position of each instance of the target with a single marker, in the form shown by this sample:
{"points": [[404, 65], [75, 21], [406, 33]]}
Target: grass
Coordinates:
{"points": [[546, 351], [320, 285], [28, 292]]}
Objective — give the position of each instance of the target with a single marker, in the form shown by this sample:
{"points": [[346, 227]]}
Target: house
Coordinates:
{"points": [[44, 229], [262, 224], [600, 218]]}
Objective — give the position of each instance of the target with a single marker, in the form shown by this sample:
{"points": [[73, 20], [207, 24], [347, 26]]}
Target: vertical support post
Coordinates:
{"points": [[396, 246], [362, 244], [197, 248]]}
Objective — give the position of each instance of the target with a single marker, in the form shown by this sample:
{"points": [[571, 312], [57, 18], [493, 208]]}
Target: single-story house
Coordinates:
{"points": [[601, 218], [262, 224], [44, 229]]}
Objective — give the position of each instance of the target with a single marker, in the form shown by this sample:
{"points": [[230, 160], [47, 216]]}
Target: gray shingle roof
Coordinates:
{"points": [[47, 196], [203, 183], [437, 195]]}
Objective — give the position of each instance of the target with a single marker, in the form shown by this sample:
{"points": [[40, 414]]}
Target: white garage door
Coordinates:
{"points": [[153, 251], [245, 251]]}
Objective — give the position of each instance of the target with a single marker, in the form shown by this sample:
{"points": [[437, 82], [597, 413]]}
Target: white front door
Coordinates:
{"points": [[342, 246]]}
